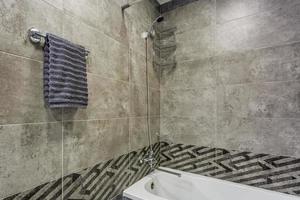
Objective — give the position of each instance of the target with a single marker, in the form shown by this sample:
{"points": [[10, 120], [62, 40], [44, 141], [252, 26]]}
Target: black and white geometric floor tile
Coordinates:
{"points": [[100, 182], [278, 173]]}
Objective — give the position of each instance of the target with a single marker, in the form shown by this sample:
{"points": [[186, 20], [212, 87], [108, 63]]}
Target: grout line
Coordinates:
{"points": [[256, 14], [229, 84], [121, 81], [31, 123], [223, 112], [20, 56], [53, 5], [113, 118], [257, 83], [74, 120]]}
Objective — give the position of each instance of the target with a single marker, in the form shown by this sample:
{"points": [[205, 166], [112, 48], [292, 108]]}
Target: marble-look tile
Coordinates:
{"points": [[280, 99], [197, 130], [18, 16], [271, 28], [195, 14], [236, 133], [112, 60], [138, 101], [274, 99], [30, 155], [154, 75], [236, 67], [56, 3], [111, 20], [93, 141], [121, 2], [190, 74], [22, 98], [136, 42], [195, 44], [87, 37], [154, 100], [188, 102], [228, 10], [279, 136], [233, 99], [138, 136], [107, 99], [87, 10], [270, 64], [143, 12], [137, 68], [138, 95], [268, 135]]}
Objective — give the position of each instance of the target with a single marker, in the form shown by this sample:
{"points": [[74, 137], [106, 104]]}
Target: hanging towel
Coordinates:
{"points": [[65, 79]]}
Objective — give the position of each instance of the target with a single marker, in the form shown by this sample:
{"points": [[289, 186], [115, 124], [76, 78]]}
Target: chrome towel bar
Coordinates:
{"points": [[35, 36]]}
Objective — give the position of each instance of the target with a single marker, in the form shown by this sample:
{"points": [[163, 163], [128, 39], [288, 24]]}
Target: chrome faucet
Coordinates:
{"points": [[149, 159]]}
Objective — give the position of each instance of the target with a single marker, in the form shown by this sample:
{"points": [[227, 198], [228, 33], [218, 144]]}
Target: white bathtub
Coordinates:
{"points": [[196, 187]]}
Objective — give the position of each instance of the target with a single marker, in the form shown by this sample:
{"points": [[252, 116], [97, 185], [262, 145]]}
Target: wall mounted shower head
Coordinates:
{"points": [[151, 32], [160, 18]]}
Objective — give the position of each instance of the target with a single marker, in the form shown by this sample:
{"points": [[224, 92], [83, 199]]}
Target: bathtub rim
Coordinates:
{"points": [[139, 188]]}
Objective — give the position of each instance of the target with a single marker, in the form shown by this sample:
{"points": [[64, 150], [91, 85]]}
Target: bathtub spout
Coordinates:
{"points": [[150, 160]]}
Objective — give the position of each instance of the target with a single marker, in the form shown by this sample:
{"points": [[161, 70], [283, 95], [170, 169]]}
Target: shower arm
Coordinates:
{"points": [[127, 5]]}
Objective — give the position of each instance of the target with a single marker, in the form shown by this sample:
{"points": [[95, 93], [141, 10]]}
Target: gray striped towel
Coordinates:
{"points": [[65, 80]]}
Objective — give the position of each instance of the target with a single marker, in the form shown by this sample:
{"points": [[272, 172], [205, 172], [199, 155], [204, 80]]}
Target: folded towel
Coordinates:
{"points": [[65, 79]]}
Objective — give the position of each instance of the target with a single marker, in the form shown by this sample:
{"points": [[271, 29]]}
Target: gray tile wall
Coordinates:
{"points": [[36, 142], [237, 81]]}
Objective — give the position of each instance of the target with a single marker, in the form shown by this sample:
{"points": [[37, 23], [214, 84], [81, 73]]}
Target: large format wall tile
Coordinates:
{"points": [[138, 135], [188, 130], [87, 37], [137, 68], [188, 102], [190, 74], [112, 60], [112, 21], [277, 99], [18, 16], [106, 138], [264, 65], [138, 100], [235, 132], [103, 49], [279, 136], [154, 102], [30, 155], [228, 10], [234, 99], [107, 99], [266, 29], [22, 92], [268, 135], [87, 10], [193, 15], [195, 44]]}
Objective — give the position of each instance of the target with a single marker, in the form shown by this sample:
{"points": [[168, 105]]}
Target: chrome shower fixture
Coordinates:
{"points": [[130, 4], [151, 32]]}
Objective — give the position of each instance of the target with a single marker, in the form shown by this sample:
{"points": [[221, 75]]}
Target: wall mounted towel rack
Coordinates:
{"points": [[35, 36]]}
